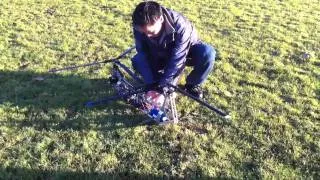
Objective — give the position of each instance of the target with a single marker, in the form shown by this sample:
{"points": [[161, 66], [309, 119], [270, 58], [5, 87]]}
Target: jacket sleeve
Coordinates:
{"points": [[179, 53], [141, 46]]}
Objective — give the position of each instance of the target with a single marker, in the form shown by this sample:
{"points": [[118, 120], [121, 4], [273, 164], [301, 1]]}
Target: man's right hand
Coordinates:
{"points": [[155, 98], [159, 88], [154, 87]]}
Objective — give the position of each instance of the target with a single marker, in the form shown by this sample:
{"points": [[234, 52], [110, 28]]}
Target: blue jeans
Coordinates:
{"points": [[201, 57]]}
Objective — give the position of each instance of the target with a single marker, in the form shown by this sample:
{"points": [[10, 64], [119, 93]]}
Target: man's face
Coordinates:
{"points": [[151, 30]]}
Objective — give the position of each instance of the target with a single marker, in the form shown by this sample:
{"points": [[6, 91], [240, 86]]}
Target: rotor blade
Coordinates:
{"points": [[74, 67], [125, 52], [92, 63], [218, 111]]}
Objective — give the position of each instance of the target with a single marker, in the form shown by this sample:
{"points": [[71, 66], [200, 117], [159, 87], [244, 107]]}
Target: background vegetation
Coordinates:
{"points": [[267, 75]]}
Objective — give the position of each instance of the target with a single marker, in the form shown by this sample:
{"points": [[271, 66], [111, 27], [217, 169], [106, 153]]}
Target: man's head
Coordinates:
{"points": [[147, 18]]}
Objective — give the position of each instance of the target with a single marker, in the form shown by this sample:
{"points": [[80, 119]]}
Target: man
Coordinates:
{"points": [[166, 42]]}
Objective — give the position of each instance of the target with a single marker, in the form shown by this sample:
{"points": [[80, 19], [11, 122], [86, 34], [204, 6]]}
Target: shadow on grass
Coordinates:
{"points": [[26, 174], [56, 101], [47, 101]]}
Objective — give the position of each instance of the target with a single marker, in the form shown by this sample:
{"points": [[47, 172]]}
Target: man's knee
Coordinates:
{"points": [[209, 54], [202, 54]]}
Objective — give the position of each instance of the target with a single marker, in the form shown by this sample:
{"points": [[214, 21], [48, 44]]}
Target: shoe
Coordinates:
{"points": [[194, 90]]}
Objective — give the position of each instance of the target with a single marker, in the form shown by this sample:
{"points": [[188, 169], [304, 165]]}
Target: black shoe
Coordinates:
{"points": [[194, 90]]}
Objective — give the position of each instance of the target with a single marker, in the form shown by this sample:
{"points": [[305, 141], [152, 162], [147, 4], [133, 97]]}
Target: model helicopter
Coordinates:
{"points": [[131, 89]]}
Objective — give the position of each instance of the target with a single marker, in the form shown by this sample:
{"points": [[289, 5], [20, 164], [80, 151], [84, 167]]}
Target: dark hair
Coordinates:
{"points": [[146, 12]]}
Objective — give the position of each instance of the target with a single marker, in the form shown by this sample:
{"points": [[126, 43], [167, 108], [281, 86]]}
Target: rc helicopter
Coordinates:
{"points": [[129, 87]]}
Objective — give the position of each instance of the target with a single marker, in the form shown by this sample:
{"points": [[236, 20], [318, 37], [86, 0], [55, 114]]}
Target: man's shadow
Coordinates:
{"points": [[57, 101]]}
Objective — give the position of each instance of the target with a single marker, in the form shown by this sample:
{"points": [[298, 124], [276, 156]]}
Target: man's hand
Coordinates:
{"points": [[167, 90], [161, 88], [154, 87], [155, 98]]}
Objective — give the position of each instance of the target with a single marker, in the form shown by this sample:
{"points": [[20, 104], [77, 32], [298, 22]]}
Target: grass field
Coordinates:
{"points": [[267, 75]]}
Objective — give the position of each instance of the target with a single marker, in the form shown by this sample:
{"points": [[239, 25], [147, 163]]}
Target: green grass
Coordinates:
{"points": [[267, 75]]}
